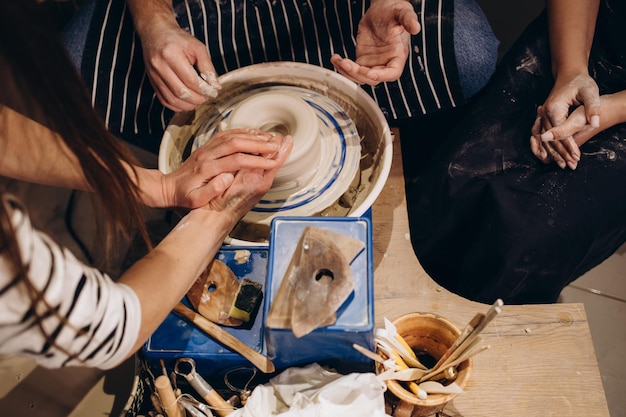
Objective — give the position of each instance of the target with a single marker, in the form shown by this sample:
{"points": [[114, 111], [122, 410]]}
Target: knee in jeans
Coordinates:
{"points": [[475, 46]]}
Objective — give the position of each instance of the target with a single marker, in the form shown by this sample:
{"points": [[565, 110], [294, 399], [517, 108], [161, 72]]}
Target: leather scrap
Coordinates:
{"points": [[317, 282], [213, 293]]}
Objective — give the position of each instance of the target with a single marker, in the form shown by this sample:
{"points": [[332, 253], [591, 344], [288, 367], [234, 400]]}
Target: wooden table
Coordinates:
{"points": [[541, 361]]}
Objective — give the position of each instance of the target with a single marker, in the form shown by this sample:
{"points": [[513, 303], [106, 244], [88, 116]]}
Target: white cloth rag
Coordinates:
{"points": [[313, 391]]}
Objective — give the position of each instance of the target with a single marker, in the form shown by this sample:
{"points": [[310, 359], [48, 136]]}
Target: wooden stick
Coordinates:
{"points": [[413, 386], [368, 353], [452, 360], [475, 322], [264, 364], [478, 324], [469, 354], [208, 394], [167, 397]]}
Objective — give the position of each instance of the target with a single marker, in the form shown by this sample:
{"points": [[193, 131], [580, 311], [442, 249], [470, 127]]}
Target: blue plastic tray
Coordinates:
{"points": [[176, 337], [330, 345]]}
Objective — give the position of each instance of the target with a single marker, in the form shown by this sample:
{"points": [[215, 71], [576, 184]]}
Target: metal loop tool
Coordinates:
{"points": [[203, 388]]}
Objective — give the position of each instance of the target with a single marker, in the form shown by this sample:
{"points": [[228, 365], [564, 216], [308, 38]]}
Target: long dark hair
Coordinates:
{"points": [[39, 81]]}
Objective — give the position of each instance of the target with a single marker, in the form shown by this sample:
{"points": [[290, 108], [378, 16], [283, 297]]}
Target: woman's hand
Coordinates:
{"points": [[250, 184], [177, 261], [569, 93], [573, 106], [564, 152], [210, 169], [382, 43], [576, 130]]}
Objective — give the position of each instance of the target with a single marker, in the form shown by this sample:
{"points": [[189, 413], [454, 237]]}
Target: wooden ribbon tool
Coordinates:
{"points": [[467, 341], [263, 363]]}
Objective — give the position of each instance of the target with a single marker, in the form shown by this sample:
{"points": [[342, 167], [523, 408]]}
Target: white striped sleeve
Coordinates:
{"points": [[95, 321]]}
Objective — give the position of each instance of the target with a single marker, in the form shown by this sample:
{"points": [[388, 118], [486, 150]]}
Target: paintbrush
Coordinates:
{"points": [[469, 341], [468, 353], [474, 323], [468, 335]]}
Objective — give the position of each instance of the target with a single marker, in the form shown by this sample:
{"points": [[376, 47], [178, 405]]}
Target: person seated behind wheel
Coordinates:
{"points": [[494, 216], [412, 60]]}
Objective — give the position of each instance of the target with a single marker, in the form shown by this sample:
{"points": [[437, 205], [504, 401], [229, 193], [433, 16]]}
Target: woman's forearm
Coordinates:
{"points": [[572, 25], [31, 152], [163, 277], [614, 106]]}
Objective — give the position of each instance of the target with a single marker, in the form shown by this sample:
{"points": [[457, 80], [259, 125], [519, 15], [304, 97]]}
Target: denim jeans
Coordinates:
{"points": [[475, 46]]}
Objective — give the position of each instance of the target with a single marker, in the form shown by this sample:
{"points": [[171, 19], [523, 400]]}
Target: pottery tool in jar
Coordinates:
{"points": [[465, 345]]}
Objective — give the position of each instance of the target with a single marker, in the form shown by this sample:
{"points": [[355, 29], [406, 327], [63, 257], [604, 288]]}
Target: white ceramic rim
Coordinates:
{"points": [[298, 74]]}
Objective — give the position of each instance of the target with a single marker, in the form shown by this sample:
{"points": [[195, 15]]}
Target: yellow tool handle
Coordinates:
{"points": [[413, 386]]}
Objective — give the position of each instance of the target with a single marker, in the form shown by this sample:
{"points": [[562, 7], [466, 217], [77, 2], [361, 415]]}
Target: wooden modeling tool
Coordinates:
{"points": [[214, 292], [263, 363], [413, 386], [202, 387], [368, 353], [472, 338], [166, 395], [317, 282], [479, 317]]}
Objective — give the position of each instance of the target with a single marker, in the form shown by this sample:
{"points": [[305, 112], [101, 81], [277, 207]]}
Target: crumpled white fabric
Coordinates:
{"points": [[313, 391]]}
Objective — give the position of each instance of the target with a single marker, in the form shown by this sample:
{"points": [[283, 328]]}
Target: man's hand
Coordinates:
{"points": [[180, 69], [178, 64], [382, 44]]}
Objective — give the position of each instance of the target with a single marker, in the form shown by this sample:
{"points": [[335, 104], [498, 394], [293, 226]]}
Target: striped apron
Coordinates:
{"points": [[245, 32]]}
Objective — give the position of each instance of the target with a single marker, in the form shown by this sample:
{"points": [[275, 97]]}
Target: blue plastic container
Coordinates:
{"points": [[330, 345], [177, 338]]}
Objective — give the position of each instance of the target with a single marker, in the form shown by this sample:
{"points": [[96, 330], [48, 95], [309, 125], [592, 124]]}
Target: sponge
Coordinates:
{"points": [[247, 300]]}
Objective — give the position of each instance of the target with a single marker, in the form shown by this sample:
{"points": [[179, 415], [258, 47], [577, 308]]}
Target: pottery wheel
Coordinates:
{"points": [[337, 166]]}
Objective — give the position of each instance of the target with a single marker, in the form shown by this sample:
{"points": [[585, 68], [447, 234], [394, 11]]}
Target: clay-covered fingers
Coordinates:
{"points": [[180, 70], [173, 93], [568, 153], [536, 144], [210, 169], [249, 185], [577, 92], [241, 142], [372, 69], [564, 152], [408, 18], [353, 71]]}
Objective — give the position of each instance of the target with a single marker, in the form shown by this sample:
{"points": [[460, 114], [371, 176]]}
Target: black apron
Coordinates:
{"points": [[488, 220]]}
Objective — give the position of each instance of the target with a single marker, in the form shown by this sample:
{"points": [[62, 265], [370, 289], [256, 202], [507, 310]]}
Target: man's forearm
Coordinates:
{"points": [[150, 13]]}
